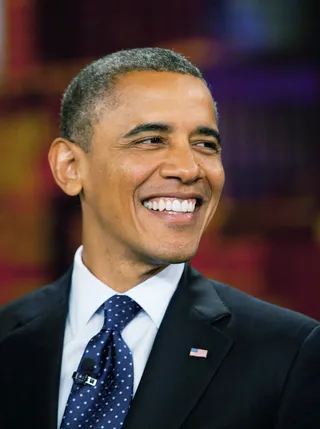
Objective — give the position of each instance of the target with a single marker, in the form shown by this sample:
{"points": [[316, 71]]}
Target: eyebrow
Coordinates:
{"points": [[148, 127], [159, 127], [207, 132]]}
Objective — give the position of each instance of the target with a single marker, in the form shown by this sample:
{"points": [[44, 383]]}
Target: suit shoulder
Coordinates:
{"points": [[260, 316], [32, 305]]}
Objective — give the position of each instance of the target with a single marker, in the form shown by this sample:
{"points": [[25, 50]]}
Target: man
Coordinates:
{"points": [[132, 336]]}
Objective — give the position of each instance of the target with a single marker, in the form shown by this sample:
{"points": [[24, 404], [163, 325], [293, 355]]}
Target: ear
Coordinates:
{"points": [[64, 159]]}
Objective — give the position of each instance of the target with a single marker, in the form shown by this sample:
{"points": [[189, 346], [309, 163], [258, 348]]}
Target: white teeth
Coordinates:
{"points": [[176, 205], [162, 205], [184, 206], [190, 207], [168, 206]]}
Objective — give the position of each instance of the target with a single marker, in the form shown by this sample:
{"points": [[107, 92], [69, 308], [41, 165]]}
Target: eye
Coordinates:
{"points": [[210, 146], [151, 141]]}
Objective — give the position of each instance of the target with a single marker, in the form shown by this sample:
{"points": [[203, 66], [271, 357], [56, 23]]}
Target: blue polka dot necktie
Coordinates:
{"points": [[103, 384]]}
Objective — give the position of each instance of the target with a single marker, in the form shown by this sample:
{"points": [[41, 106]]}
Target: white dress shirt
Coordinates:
{"points": [[85, 319]]}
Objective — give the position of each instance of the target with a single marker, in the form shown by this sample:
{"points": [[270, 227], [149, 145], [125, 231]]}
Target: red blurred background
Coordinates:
{"points": [[261, 60]]}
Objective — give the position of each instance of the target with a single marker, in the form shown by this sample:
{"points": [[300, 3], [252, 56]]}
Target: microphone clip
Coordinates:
{"points": [[83, 379]]}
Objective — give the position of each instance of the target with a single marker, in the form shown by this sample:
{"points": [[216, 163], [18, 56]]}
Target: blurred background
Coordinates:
{"points": [[261, 60]]}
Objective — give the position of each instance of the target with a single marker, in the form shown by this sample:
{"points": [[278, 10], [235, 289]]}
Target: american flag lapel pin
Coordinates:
{"points": [[201, 353]]}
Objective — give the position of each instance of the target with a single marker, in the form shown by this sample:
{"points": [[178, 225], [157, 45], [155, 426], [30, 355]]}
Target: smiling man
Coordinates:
{"points": [[131, 336], [150, 176]]}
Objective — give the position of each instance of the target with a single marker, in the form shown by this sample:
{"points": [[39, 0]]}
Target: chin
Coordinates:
{"points": [[174, 255]]}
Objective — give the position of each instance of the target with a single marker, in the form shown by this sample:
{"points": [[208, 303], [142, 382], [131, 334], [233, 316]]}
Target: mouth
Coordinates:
{"points": [[174, 209], [173, 204]]}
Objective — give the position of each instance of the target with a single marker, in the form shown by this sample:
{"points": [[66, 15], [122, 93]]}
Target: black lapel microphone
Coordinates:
{"points": [[82, 376]]}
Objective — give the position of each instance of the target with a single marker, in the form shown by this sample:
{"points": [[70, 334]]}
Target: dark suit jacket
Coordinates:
{"points": [[262, 369]]}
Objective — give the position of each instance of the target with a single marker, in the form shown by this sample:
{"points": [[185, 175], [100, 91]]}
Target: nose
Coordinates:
{"points": [[180, 163]]}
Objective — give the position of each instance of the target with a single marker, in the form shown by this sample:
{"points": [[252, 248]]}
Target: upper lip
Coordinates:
{"points": [[181, 195]]}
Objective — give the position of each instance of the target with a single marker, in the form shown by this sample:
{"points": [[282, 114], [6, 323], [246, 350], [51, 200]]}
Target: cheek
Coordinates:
{"points": [[216, 176], [95, 180], [114, 183], [97, 183], [136, 170]]}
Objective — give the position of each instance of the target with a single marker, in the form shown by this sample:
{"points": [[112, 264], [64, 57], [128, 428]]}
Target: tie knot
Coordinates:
{"points": [[119, 310]]}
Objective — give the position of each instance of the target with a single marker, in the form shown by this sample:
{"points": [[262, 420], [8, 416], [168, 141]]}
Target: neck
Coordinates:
{"points": [[121, 274]]}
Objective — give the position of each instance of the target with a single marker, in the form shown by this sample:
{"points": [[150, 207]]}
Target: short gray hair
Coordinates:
{"points": [[82, 100]]}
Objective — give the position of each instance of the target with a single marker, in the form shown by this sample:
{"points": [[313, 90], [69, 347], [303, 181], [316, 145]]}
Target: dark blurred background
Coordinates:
{"points": [[261, 60]]}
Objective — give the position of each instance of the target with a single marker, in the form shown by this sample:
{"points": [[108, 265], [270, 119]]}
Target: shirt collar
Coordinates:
{"points": [[88, 293]]}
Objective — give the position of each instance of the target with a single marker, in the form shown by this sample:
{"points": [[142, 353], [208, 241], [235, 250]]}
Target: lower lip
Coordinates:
{"points": [[174, 217]]}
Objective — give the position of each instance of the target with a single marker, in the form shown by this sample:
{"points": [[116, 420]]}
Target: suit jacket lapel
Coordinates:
{"points": [[36, 344], [173, 381]]}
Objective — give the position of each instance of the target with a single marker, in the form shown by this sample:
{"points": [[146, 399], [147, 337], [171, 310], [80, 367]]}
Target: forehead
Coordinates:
{"points": [[153, 96]]}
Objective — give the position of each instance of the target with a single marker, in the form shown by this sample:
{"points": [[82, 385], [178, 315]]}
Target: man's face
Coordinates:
{"points": [[153, 177]]}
